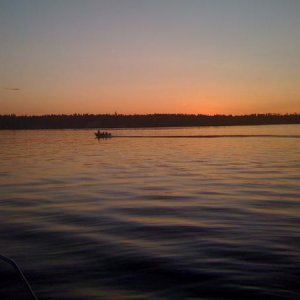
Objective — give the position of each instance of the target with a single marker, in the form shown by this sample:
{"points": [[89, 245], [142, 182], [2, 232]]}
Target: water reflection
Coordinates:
{"points": [[153, 218]]}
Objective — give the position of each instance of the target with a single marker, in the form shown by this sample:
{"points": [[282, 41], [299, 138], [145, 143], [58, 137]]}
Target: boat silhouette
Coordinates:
{"points": [[102, 134]]}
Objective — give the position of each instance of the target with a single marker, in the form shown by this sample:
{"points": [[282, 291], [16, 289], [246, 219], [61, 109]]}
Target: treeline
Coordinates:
{"points": [[129, 121]]}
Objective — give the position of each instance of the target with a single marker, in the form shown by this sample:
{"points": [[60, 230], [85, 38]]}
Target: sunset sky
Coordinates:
{"points": [[147, 56]]}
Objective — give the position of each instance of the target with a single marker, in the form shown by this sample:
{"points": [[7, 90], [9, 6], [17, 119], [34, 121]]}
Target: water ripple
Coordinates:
{"points": [[206, 218]]}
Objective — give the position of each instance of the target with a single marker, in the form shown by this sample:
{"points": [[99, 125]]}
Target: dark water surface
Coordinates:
{"points": [[181, 218]]}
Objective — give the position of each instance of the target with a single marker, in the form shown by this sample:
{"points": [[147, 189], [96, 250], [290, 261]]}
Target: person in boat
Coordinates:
{"points": [[103, 134]]}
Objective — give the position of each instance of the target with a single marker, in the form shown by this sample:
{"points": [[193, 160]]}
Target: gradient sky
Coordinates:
{"points": [[146, 56]]}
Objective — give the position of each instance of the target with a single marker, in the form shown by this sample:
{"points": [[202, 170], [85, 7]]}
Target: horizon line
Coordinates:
{"points": [[148, 114]]}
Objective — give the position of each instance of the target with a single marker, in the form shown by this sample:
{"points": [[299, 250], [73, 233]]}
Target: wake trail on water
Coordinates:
{"points": [[211, 136]]}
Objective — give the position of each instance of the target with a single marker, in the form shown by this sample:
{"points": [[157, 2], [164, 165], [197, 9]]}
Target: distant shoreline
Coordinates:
{"points": [[118, 121]]}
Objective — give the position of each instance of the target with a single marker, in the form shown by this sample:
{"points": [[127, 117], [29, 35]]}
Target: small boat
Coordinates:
{"points": [[102, 134]]}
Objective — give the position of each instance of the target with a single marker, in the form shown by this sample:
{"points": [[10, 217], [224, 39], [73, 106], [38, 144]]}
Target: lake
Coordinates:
{"points": [[153, 218]]}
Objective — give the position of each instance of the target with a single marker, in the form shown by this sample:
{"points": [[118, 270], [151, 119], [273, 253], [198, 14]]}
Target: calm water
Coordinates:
{"points": [[153, 218]]}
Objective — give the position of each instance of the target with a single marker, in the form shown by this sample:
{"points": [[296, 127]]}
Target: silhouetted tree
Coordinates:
{"points": [[130, 121]]}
